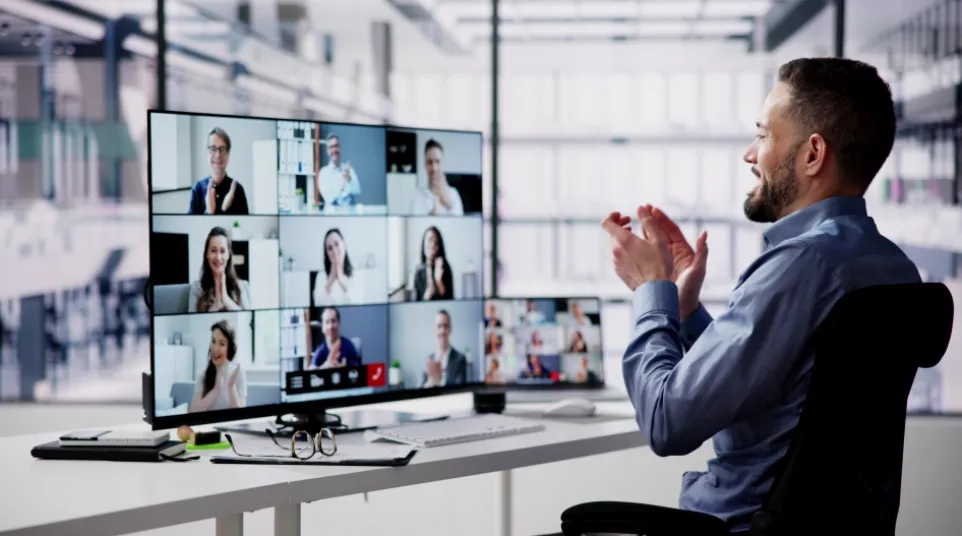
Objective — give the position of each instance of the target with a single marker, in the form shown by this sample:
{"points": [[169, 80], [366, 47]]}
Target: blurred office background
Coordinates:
{"points": [[602, 104]]}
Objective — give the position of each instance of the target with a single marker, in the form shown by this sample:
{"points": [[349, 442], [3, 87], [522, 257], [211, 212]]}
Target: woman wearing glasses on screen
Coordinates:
{"points": [[223, 385], [339, 287], [218, 289], [433, 279]]}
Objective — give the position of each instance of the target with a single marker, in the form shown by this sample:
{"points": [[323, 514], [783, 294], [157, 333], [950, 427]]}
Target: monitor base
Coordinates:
{"points": [[340, 423]]}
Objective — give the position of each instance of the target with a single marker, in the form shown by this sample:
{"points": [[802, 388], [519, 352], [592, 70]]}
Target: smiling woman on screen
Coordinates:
{"points": [[218, 289], [339, 287], [224, 384], [433, 279]]}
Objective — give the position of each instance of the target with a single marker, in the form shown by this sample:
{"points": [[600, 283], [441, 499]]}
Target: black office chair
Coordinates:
{"points": [[836, 477]]}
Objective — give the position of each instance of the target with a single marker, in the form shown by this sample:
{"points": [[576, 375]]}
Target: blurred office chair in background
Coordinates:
{"points": [[843, 471]]}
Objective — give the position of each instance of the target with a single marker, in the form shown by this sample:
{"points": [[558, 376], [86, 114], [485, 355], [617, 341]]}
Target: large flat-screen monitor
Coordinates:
{"points": [[543, 343], [298, 265]]}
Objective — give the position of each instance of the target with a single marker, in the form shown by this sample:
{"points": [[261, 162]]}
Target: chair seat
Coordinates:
{"points": [[643, 519]]}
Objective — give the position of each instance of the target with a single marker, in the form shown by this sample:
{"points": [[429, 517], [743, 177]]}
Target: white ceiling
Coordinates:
{"points": [[593, 19]]}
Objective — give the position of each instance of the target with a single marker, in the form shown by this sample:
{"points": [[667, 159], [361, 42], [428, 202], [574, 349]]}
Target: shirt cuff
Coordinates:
{"points": [[656, 296], [698, 321]]}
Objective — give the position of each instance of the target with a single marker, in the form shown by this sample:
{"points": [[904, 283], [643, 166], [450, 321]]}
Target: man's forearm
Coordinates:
{"points": [[693, 326]]}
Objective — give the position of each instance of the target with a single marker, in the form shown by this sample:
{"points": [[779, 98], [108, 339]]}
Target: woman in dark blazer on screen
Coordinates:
{"points": [[433, 279]]}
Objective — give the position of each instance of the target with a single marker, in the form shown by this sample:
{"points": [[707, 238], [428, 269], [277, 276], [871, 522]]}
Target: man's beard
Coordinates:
{"points": [[767, 203]]}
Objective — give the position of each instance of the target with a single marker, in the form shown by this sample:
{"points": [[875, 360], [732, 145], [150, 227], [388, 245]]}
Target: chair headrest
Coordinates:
{"points": [[914, 320]]}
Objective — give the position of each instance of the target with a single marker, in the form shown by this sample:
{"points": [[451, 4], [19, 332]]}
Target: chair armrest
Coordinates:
{"points": [[630, 518]]}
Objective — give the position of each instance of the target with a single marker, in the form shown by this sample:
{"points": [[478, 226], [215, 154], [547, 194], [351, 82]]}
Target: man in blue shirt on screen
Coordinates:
{"points": [[334, 351], [336, 183], [826, 130]]}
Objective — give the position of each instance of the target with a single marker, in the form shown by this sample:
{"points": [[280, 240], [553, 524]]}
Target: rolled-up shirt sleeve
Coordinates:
{"points": [[739, 361]]}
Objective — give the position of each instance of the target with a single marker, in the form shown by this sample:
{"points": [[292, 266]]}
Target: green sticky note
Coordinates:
{"points": [[212, 446]]}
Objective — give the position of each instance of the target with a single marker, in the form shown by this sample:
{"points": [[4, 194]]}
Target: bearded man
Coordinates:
{"points": [[825, 131]]}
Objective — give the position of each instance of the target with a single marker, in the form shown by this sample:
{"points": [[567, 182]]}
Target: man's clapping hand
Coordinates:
{"points": [[638, 259], [689, 263]]}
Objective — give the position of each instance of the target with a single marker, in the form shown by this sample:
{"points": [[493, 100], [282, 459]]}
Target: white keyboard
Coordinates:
{"points": [[458, 430]]}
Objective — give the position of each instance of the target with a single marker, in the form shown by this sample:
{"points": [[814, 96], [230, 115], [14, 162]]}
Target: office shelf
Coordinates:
{"points": [[925, 58], [927, 226]]}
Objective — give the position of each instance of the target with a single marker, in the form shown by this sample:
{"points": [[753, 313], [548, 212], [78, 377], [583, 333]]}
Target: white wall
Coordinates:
{"points": [[197, 228], [462, 244], [302, 238], [413, 333], [170, 154]]}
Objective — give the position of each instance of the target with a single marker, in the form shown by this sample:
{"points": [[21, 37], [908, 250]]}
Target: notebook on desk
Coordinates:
{"points": [[55, 451]]}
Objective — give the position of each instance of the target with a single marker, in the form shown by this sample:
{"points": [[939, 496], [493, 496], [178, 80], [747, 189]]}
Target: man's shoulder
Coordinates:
{"points": [[843, 243], [200, 185]]}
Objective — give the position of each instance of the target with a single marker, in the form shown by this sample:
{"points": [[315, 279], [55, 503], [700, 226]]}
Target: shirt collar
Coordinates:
{"points": [[443, 358], [805, 219]]}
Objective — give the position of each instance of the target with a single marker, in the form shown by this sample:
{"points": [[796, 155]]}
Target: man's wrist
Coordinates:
{"points": [[659, 295]]}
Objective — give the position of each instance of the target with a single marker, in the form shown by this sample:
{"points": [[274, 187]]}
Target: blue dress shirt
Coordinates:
{"points": [[348, 354], [741, 378]]}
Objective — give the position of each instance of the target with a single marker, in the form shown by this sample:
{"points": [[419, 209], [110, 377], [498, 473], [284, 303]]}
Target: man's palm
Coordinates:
{"points": [[690, 263]]}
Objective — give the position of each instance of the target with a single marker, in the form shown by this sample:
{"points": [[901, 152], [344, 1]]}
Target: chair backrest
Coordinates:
{"points": [[843, 471], [171, 299]]}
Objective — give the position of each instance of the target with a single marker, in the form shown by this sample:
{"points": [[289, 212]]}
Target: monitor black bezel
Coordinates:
{"points": [[285, 408], [567, 386]]}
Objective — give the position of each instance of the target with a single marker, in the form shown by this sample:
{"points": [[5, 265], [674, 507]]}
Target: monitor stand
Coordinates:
{"points": [[340, 423]]}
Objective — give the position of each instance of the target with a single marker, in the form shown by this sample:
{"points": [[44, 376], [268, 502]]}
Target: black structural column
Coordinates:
{"points": [[495, 68], [161, 60], [382, 43], [839, 29]]}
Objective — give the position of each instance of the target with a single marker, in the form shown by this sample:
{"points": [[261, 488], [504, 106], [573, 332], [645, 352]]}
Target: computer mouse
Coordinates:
{"points": [[571, 407]]}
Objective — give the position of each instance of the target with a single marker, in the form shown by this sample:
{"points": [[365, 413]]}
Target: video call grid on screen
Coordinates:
{"points": [[543, 341], [311, 222]]}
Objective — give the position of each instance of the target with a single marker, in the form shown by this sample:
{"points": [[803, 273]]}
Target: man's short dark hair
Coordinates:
{"points": [[848, 103], [432, 144], [222, 134], [337, 314], [446, 314], [333, 137]]}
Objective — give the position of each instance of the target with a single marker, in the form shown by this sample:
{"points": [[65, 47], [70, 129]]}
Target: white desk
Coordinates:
{"points": [[117, 498]]}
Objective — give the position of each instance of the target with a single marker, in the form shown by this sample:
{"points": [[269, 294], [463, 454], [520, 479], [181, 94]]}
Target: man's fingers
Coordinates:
{"points": [[614, 226], [667, 224], [701, 248], [649, 225]]}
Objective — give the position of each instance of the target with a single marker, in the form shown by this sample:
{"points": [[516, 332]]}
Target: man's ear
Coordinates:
{"points": [[816, 155]]}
